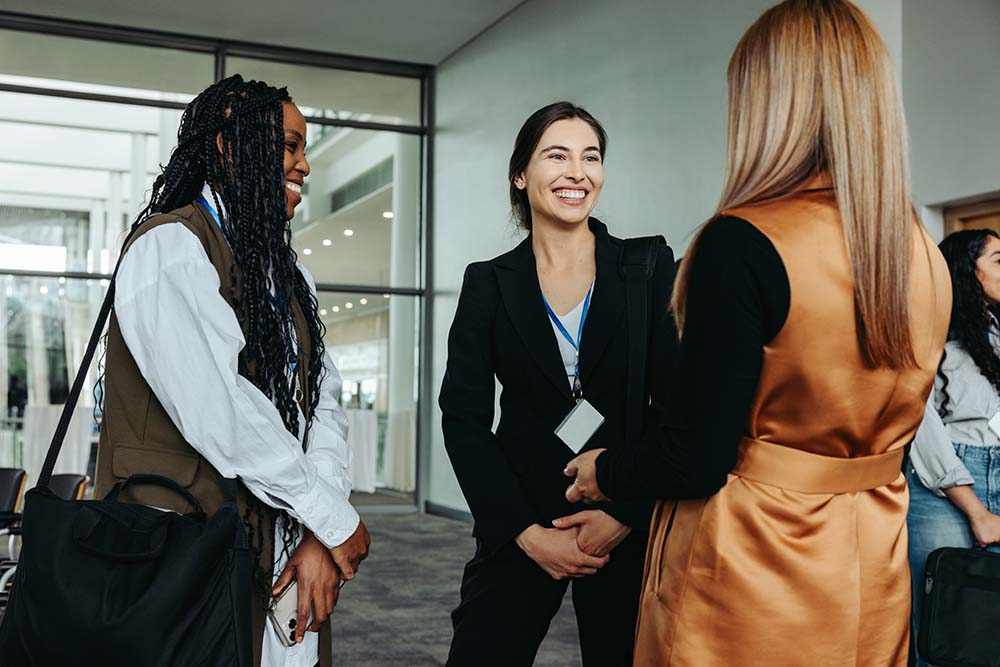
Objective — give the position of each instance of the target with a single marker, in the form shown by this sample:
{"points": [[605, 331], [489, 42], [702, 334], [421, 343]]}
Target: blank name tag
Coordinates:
{"points": [[580, 424]]}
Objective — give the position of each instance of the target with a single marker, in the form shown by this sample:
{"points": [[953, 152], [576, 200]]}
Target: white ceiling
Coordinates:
{"points": [[419, 31]]}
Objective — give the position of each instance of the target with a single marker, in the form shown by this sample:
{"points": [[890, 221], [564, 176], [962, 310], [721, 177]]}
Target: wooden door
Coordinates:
{"points": [[985, 215]]}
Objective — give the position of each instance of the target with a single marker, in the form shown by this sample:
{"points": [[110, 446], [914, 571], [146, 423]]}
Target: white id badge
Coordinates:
{"points": [[994, 424], [580, 424]]}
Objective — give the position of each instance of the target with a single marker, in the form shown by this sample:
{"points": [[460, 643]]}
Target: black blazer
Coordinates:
{"points": [[514, 478]]}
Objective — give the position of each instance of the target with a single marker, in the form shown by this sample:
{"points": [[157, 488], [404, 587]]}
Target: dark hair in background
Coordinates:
{"points": [[971, 312], [248, 177], [526, 143]]}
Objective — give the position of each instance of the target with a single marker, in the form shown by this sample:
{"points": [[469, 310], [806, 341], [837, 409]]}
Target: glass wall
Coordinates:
{"points": [[85, 128], [373, 341]]}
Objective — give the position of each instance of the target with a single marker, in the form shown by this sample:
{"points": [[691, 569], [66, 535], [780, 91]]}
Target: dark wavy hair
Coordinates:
{"points": [[247, 176], [527, 140], [971, 312]]}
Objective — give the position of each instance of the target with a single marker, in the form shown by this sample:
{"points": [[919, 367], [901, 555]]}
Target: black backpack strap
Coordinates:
{"points": [[638, 262]]}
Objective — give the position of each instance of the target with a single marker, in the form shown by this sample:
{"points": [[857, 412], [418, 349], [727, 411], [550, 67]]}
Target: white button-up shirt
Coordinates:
{"points": [[186, 341]]}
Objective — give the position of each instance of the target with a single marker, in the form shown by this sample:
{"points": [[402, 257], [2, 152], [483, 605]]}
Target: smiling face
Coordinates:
{"points": [[295, 167], [988, 269], [563, 180]]}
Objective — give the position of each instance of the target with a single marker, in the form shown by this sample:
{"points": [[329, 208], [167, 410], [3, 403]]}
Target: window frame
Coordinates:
{"points": [[223, 49]]}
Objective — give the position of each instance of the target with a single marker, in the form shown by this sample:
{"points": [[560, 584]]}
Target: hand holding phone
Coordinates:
{"points": [[303, 606], [283, 613]]}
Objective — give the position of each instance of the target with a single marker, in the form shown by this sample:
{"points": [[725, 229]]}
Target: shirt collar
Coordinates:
{"points": [[206, 194]]}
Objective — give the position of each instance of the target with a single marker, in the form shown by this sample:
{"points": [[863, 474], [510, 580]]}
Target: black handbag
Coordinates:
{"points": [[960, 616], [102, 582]]}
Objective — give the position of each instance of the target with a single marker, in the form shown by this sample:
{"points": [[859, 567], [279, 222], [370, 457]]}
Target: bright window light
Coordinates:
{"points": [[28, 257]]}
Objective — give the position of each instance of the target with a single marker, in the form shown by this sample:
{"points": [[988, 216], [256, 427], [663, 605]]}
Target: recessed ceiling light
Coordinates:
{"points": [[327, 242], [43, 289], [336, 309], [364, 302], [348, 232], [322, 311], [307, 251], [103, 282], [348, 305], [62, 281], [388, 215], [385, 296]]}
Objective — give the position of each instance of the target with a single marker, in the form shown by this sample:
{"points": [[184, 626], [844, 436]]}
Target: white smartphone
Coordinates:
{"points": [[284, 613]]}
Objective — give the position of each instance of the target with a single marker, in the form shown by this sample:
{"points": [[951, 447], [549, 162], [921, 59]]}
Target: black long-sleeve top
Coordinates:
{"points": [[737, 301]]}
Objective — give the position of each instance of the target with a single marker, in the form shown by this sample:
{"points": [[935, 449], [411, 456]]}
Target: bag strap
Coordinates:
{"points": [[637, 265], [228, 486], [81, 375]]}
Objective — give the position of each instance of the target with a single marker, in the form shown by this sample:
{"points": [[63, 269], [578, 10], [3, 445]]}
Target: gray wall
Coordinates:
{"points": [[653, 71], [951, 85]]}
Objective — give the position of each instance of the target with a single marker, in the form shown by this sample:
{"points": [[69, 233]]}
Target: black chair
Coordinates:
{"points": [[12, 482], [69, 486]]}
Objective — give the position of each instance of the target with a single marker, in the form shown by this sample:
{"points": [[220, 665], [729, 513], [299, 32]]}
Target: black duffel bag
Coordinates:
{"points": [[101, 582], [960, 616]]}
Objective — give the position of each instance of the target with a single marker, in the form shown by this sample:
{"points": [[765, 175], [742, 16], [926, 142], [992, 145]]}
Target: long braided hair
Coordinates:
{"points": [[971, 312], [232, 136]]}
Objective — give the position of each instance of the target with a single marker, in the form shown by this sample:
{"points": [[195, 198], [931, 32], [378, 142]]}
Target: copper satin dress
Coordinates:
{"points": [[800, 559]]}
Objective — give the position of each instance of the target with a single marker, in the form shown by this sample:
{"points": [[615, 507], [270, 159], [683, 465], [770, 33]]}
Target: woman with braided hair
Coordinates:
{"points": [[215, 358]]}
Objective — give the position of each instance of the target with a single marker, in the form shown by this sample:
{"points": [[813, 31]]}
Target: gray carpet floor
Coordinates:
{"points": [[396, 612]]}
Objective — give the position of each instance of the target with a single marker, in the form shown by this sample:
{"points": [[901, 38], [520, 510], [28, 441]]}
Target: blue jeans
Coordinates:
{"points": [[935, 522]]}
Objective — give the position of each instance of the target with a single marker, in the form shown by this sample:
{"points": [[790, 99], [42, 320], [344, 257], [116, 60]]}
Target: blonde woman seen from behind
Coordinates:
{"points": [[813, 309]]}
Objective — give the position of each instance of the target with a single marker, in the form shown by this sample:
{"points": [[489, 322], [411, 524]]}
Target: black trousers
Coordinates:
{"points": [[508, 602]]}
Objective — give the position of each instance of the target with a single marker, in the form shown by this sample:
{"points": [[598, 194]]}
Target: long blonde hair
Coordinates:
{"points": [[812, 90]]}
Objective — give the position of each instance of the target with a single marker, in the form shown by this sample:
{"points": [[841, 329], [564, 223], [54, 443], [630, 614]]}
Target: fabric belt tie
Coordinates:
{"points": [[797, 470]]}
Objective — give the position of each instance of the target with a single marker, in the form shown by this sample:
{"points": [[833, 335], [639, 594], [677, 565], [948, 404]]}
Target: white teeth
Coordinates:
{"points": [[294, 187], [571, 194]]}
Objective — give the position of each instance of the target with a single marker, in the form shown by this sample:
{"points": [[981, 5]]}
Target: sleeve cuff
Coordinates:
{"points": [[957, 476], [603, 465], [327, 513]]}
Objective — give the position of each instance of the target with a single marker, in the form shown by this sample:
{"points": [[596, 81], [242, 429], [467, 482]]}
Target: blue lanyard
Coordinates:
{"points": [[215, 216], [562, 329], [293, 362]]}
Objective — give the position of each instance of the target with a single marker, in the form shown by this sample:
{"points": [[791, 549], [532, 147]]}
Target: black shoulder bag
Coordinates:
{"points": [[961, 609], [102, 582], [637, 265]]}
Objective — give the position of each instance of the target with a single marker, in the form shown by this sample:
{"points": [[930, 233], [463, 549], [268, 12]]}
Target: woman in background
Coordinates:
{"points": [[954, 501], [814, 309]]}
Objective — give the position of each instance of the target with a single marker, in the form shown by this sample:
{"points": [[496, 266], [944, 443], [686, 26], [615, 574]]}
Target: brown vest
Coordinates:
{"points": [[137, 434]]}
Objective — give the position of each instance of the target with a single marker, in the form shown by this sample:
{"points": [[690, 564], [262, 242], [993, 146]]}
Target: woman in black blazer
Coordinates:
{"points": [[520, 318]]}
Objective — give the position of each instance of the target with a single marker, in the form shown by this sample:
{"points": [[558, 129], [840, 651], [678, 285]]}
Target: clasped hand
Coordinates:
{"points": [[584, 468], [578, 545]]}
